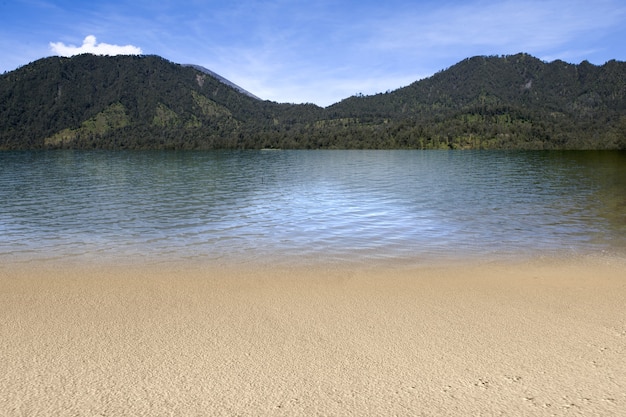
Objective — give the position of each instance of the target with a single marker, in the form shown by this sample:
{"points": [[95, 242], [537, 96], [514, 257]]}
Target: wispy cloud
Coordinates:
{"points": [[329, 52], [526, 26], [90, 46]]}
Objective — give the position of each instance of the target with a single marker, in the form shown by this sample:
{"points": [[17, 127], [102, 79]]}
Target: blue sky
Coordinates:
{"points": [[315, 51]]}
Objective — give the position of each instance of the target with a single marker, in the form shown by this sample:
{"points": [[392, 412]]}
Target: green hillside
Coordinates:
{"points": [[146, 102]]}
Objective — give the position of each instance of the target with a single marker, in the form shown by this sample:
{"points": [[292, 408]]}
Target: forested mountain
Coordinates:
{"points": [[147, 102]]}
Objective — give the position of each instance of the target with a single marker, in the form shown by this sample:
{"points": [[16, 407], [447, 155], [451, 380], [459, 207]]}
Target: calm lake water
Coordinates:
{"points": [[292, 206]]}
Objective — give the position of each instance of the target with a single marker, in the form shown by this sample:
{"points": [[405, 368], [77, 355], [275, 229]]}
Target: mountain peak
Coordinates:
{"points": [[223, 80]]}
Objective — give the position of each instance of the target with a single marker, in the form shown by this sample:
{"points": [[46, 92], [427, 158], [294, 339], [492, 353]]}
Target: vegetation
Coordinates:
{"points": [[146, 102]]}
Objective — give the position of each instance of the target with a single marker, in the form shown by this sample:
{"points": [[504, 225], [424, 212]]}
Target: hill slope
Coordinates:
{"points": [[222, 79], [146, 102], [512, 101]]}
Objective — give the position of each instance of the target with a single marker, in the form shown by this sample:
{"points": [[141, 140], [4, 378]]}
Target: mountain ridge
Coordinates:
{"points": [[147, 102], [223, 79]]}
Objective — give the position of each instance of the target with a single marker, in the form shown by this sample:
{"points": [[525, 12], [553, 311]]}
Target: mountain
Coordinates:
{"points": [[513, 101], [222, 79], [147, 102]]}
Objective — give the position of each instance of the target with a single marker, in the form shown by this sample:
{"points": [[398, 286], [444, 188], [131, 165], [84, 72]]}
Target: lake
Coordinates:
{"points": [[317, 206]]}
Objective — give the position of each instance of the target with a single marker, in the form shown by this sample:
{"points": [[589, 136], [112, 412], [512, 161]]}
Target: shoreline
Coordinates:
{"points": [[518, 337], [357, 260]]}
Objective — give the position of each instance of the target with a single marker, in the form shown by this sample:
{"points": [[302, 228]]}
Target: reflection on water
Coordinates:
{"points": [[323, 205]]}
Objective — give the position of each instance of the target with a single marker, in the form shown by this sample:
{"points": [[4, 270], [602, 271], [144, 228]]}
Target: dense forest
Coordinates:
{"points": [[147, 102]]}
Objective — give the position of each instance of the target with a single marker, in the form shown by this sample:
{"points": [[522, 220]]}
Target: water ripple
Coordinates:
{"points": [[324, 204]]}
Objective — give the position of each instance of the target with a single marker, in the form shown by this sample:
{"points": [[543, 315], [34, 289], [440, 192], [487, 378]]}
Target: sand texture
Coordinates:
{"points": [[522, 339]]}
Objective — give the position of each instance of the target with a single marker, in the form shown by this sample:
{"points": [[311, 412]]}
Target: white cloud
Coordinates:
{"points": [[90, 46]]}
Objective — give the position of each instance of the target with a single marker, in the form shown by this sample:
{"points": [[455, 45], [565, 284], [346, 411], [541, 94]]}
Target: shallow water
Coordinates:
{"points": [[330, 206]]}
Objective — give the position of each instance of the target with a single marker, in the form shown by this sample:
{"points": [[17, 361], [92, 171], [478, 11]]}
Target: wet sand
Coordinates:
{"points": [[540, 338]]}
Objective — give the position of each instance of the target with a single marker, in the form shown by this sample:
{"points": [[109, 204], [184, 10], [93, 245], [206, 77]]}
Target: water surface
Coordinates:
{"points": [[291, 206]]}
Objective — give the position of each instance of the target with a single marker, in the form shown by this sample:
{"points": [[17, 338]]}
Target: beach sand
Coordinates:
{"points": [[533, 338]]}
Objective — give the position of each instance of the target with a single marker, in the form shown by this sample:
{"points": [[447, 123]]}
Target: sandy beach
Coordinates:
{"points": [[533, 338]]}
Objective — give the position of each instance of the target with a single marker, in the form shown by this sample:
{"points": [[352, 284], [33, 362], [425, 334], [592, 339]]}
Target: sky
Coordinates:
{"points": [[314, 51]]}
